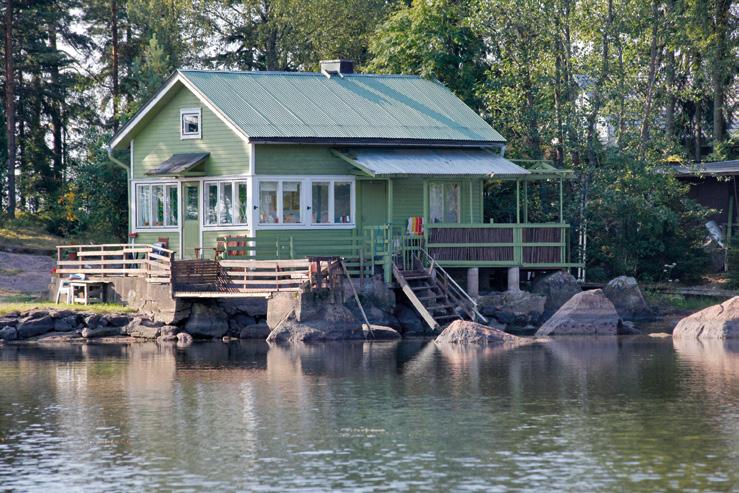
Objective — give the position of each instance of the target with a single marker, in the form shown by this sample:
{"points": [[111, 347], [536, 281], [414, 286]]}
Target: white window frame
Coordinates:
{"points": [[306, 200], [167, 205], [191, 111], [234, 203]]}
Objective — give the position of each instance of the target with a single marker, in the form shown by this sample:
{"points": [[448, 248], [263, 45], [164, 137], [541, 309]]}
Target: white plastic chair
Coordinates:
{"points": [[64, 289]]}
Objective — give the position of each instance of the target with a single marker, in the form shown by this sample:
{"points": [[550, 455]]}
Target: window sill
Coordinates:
{"points": [[154, 229], [225, 226], [307, 226], [190, 137]]}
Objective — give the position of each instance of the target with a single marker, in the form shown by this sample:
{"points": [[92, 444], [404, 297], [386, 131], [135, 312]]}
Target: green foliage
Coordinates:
{"points": [[732, 261], [640, 223]]}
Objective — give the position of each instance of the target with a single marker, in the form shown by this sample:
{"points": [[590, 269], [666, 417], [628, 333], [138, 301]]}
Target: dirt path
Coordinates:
{"points": [[24, 274]]}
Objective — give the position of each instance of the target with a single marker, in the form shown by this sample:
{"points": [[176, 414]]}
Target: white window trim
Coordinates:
{"points": [[234, 192], [306, 201], [191, 111], [134, 206]]}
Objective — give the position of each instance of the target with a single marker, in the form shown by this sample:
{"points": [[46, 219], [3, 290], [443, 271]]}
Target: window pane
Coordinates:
{"points": [[436, 203], [157, 196], [191, 205], [268, 202], [212, 212], [173, 206], [451, 203], [190, 123], [243, 204], [291, 202], [225, 207], [342, 202], [320, 202], [143, 206]]}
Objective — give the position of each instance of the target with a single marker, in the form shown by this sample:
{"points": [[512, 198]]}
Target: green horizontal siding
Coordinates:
{"points": [[150, 237], [160, 138], [408, 198], [210, 236], [299, 160]]}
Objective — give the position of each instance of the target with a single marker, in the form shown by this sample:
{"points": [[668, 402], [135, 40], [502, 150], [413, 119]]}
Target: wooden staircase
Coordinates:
{"points": [[435, 295], [197, 276]]}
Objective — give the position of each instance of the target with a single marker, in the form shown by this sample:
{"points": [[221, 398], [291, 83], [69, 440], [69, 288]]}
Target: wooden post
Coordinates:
{"points": [[518, 201], [525, 201], [561, 201], [473, 282], [389, 201]]}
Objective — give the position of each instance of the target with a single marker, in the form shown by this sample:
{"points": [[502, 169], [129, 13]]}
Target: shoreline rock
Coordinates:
{"points": [[463, 332], [715, 322], [587, 313], [627, 298]]}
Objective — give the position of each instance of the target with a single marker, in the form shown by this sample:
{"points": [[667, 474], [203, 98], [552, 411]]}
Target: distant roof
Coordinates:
{"points": [[718, 168], [342, 109], [381, 161], [179, 164]]}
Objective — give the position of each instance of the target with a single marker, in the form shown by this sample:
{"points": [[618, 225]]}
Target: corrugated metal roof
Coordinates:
{"points": [[717, 168], [380, 161], [300, 105], [179, 163]]}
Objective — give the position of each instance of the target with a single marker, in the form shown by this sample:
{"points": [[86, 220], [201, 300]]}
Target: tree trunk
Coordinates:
{"points": [[721, 20], [670, 83], [56, 110], [10, 106], [653, 62], [114, 61]]}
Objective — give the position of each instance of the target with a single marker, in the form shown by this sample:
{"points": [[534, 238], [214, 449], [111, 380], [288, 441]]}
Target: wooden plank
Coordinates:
{"points": [[82, 263], [420, 308]]}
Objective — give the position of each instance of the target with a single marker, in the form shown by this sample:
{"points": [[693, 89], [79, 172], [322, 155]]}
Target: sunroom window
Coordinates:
{"points": [[280, 202], [331, 202], [444, 205], [156, 205], [226, 203], [190, 125]]}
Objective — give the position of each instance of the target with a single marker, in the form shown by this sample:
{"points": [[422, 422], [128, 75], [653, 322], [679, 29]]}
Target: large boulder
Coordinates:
{"points": [[715, 322], [626, 296], [558, 287], [464, 332], [332, 322], [32, 326], [101, 331], [280, 306], [66, 324], [239, 321], [143, 328], [513, 307], [207, 321], [8, 333], [410, 322], [587, 313], [255, 331]]}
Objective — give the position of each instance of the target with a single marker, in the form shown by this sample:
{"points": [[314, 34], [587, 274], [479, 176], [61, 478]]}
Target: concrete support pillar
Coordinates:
{"points": [[473, 282], [514, 279]]}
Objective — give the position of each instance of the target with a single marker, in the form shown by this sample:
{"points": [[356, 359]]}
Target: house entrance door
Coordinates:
{"points": [[191, 218], [373, 210]]}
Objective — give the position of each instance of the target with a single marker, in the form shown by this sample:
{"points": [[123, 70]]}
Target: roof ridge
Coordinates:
{"points": [[297, 73]]}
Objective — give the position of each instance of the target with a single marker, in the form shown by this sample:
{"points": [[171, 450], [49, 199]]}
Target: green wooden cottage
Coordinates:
{"points": [[298, 164]]}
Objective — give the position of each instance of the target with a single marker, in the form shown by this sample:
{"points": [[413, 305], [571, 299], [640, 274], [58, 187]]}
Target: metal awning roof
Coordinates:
{"points": [[380, 161], [179, 164], [718, 168]]}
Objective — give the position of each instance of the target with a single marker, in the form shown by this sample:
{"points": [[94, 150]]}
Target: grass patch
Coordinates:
{"points": [[28, 236], [681, 302], [24, 306], [9, 272]]}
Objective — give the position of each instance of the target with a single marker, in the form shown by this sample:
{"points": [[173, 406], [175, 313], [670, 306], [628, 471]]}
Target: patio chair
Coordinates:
{"points": [[65, 289]]}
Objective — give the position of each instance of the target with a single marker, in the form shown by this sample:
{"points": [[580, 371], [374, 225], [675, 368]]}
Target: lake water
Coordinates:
{"points": [[627, 414]]}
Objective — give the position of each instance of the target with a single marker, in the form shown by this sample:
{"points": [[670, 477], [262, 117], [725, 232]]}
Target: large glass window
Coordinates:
{"points": [[156, 205], [226, 203], [291, 212], [268, 202], [342, 202], [320, 201], [444, 205]]}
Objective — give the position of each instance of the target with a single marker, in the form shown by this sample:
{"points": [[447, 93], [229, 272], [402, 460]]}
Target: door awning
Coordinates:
{"points": [[379, 161], [179, 164]]}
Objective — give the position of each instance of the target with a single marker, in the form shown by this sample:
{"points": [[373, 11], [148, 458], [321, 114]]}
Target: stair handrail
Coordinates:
{"points": [[460, 291]]}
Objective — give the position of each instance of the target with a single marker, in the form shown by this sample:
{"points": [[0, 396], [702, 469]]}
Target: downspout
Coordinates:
{"points": [[123, 165]]}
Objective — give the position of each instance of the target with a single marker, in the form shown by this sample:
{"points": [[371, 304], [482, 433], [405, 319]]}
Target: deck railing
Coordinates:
{"points": [[544, 245], [115, 259]]}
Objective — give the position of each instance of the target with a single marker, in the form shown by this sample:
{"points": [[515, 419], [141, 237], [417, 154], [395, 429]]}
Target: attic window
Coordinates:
{"points": [[190, 126]]}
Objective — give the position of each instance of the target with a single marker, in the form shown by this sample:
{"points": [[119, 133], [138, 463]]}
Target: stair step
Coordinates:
{"points": [[433, 297], [442, 317], [439, 307], [416, 276]]}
